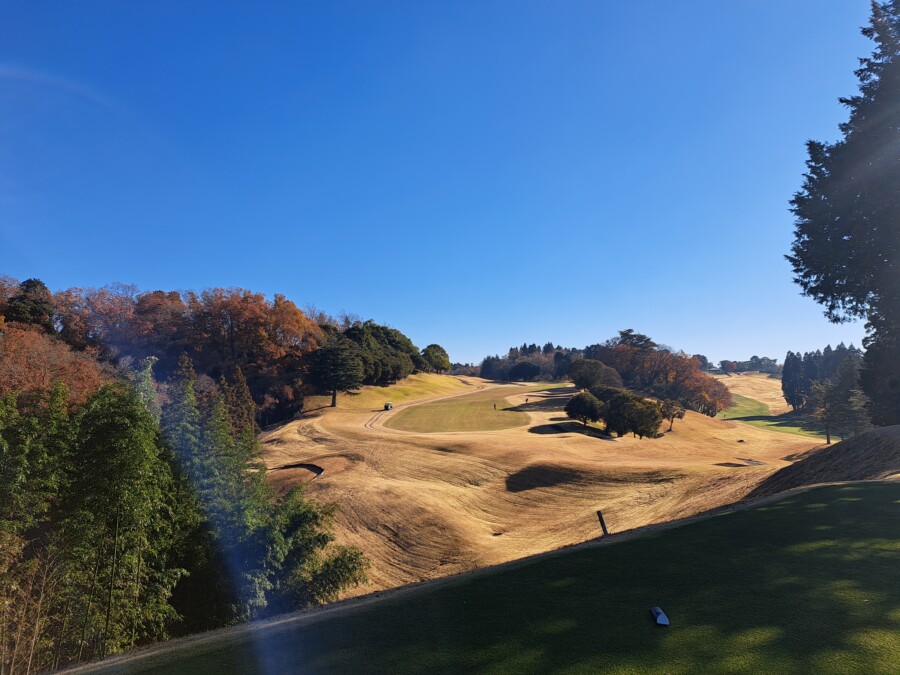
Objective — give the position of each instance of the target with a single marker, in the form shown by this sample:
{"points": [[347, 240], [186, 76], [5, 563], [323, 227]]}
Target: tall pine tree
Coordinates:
{"points": [[846, 250]]}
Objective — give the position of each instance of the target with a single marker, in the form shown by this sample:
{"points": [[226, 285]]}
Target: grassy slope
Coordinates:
{"points": [[807, 584], [751, 411], [421, 385], [474, 412]]}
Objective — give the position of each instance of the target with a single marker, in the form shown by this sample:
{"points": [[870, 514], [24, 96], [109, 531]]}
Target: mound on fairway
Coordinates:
{"points": [[482, 411], [872, 455], [806, 584]]}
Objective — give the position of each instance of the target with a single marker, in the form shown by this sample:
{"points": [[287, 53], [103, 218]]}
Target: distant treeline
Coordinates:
{"points": [[641, 364], [133, 502], [763, 364]]}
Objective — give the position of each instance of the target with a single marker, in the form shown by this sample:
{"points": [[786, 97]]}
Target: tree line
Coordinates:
{"points": [[826, 384], [762, 364], [222, 331], [128, 518]]}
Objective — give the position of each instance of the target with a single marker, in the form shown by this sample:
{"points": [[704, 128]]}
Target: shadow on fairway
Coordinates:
{"points": [[568, 427], [786, 421], [541, 475]]}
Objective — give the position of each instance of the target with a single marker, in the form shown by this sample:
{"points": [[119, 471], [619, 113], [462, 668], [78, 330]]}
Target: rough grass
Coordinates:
{"points": [[756, 413], [474, 412], [806, 584]]}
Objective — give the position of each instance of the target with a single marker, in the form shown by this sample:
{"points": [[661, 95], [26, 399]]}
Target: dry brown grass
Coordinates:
{"points": [[873, 455], [422, 506], [758, 386]]}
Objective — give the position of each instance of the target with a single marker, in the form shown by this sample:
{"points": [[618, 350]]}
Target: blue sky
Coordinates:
{"points": [[476, 174]]}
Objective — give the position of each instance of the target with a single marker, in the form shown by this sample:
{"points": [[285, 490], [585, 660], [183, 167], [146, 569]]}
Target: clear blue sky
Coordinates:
{"points": [[476, 174]]}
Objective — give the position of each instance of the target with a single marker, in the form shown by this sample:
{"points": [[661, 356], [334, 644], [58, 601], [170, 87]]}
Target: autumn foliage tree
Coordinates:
{"points": [[33, 362]]}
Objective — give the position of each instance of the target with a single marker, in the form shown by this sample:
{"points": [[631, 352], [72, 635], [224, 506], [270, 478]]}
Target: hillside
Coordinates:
{"points": [[426, 504], [758, 386], [872, 455]]}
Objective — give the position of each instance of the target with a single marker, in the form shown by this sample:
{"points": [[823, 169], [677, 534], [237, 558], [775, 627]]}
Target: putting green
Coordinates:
{"points": [[471, 412]]}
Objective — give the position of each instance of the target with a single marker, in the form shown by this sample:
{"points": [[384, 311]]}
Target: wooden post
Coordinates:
{"points": [[602, 523]]}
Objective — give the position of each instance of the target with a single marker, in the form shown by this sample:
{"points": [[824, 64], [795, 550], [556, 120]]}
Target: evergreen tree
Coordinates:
{"points": [[33, 304], [587, 373], [336, 367], [239, 401], [118, 527], [848, 401], [584, 407], [437, 358], [822, 403], [847, 227], [792, 380]]}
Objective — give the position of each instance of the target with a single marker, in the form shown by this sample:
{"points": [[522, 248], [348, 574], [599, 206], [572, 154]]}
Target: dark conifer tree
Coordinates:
{"points": [[33, 304], [335, 367], [846, 250]]}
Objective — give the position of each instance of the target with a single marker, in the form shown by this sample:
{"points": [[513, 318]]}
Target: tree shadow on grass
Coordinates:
{"points": [[786, 421], [569, 428], [552, 402]]}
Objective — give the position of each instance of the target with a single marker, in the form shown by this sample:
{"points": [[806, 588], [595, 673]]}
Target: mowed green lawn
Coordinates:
{"points": [[809, 584], [756, 413], [472, 412]]}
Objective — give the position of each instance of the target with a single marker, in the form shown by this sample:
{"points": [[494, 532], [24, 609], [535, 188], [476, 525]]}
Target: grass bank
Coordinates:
{"points": [[806, 584]]}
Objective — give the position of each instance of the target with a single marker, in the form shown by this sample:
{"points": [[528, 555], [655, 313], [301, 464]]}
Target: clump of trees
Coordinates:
{"points": [[846, 217], [622, 411], [826, 384], [630, 360], [552, 363], [802, 371], [124, 521]]}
